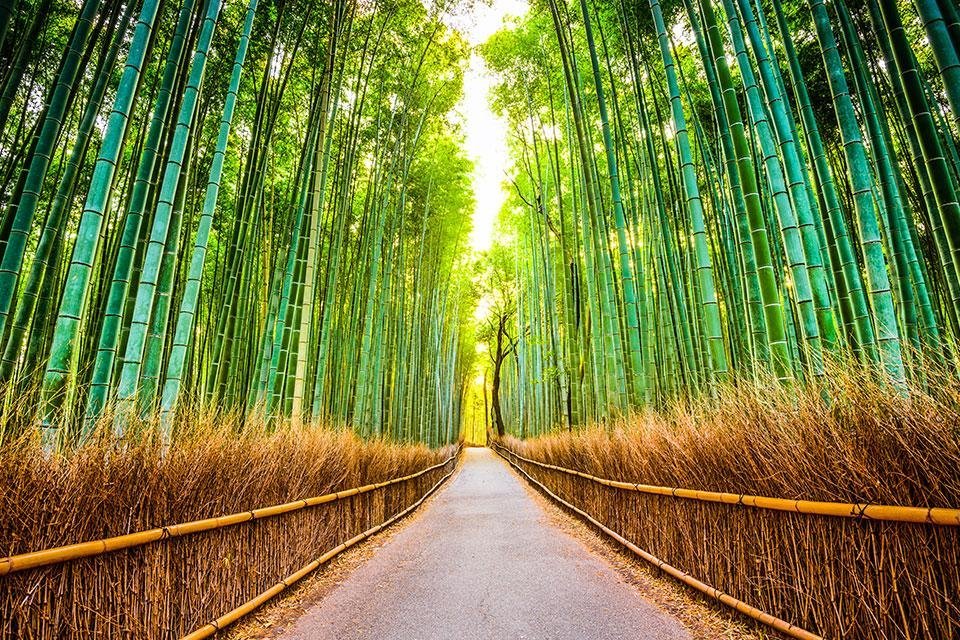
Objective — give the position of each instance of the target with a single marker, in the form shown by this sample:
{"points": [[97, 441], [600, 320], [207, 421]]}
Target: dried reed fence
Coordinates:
{"points": [[172, 586], [839, 576]]}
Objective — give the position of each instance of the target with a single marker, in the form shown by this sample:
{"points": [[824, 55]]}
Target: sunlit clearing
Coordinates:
{"points": [[486, 133], [483, 306]]}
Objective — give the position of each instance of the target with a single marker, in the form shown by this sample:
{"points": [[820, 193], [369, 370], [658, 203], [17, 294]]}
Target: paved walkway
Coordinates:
{"points": [[484, 562]]}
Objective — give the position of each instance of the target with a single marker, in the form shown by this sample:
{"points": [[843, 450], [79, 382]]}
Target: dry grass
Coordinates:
{"points": [[836, 577], [214, 467]]}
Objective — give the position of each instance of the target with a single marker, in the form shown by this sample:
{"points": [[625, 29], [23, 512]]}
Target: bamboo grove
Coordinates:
{"points": [[712, 192], [249, 205]]}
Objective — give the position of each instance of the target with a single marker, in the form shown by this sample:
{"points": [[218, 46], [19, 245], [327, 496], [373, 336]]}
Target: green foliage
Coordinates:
{"points": [[306, 253], [759, 151]]}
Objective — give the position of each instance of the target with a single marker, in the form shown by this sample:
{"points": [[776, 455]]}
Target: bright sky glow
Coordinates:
{"points": [[485, 132]]}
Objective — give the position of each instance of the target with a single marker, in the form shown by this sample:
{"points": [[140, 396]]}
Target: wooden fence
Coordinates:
{"points": [[191, 579], [809, 569]]}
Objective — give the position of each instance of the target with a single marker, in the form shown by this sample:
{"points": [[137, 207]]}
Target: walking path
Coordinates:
{"points": [[484, 562]]}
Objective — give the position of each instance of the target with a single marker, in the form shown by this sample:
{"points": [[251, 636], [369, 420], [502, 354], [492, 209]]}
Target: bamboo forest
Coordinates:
{"points": [[653, 305]]}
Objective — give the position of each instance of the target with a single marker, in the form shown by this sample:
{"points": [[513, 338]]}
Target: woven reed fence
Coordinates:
{"points": [[866, 571], [174, 581]]}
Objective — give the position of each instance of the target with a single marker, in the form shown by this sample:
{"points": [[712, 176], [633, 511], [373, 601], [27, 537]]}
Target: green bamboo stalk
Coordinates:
{"points": [[128, 385], [62, 361]]}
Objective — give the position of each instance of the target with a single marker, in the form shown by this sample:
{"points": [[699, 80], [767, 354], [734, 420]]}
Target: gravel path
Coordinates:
{"points": [[483, 561]]}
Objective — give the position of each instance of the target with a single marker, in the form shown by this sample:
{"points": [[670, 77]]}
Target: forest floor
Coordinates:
{"points": [[489, 558]]}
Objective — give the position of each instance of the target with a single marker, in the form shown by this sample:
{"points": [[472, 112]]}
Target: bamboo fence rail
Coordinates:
{"points": [[760, 616], [232, 616], [45, 557], [859, 510], [831, 569], [165, 582]]}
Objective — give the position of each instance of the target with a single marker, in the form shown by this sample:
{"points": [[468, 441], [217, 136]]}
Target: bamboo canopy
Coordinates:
{"points": [[242, 205], [715, 193]]}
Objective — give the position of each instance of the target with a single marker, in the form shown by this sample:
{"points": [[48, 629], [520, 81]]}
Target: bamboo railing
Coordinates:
{"points": [[857, 510], [34, 559], [64, 554], [232, 616], [926, 549], [760, 616]]}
